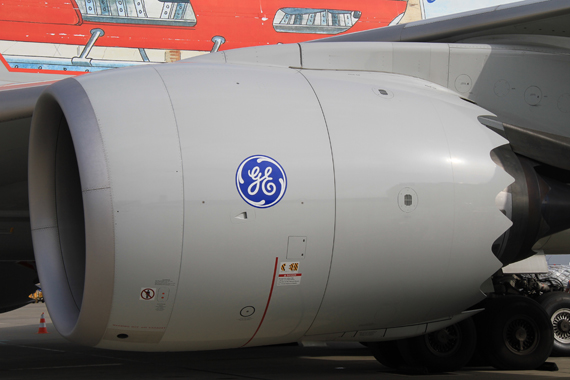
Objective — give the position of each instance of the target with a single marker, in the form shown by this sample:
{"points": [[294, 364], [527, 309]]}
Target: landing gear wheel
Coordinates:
{"points": [[445, 350], [387, 354], [515, 333], [557, 306]]}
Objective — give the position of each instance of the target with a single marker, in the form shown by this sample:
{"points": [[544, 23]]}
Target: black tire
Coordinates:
{"points": [[557, 306], [446, 350], [515, 333], [387, 354]]}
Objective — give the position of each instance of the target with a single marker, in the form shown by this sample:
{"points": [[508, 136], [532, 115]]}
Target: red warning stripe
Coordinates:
{"points": [[268, 300]]}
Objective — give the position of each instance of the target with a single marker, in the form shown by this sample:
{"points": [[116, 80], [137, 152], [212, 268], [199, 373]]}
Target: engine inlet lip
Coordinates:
{"points": [[79, 318]]}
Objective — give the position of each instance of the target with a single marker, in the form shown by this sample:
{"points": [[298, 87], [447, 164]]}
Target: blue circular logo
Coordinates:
{"points": [[261, 181]]}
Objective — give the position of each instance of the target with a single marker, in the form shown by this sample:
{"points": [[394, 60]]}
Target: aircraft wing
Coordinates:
{"points": [[536, 17]]}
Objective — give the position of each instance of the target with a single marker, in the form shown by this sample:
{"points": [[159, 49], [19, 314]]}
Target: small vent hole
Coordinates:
{"points": [[408, 199], [122, 336], [383, 92]]}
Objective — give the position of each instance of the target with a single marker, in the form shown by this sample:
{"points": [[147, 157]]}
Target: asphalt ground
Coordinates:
{"points": [[25, 354]]}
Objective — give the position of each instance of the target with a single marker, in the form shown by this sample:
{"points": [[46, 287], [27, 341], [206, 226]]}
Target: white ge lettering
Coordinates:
{"points": [[267, 188]]}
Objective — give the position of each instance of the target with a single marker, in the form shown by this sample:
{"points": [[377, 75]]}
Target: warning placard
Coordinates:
{"points": [[289, 267], [289, 279], [289, 273], [147, 294]]}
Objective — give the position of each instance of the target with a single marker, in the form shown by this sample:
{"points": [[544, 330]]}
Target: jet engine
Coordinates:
{"points": [[205, 205]]}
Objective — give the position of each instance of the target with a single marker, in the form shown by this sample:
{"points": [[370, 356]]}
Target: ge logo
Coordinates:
{"points": [[261, 181]]}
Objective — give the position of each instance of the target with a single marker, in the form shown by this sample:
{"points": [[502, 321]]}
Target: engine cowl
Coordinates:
{"points": [[146, 239]]}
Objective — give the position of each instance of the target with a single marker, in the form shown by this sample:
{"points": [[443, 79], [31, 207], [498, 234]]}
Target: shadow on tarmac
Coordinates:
{"points": [[24, 354]]}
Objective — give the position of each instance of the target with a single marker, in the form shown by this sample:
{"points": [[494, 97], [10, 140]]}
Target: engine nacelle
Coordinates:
{"points": [[202, 206]]}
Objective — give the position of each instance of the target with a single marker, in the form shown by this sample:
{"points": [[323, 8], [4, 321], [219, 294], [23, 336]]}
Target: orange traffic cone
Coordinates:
{"points": [[43, 328]]}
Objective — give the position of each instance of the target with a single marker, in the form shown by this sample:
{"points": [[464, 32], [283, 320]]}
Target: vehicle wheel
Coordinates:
{"points": [[557, 306], [387, 354], [515, 333], [445, 350]]}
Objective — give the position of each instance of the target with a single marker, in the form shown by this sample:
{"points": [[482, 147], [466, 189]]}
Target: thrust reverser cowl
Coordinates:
{"points": [[145, 242]]}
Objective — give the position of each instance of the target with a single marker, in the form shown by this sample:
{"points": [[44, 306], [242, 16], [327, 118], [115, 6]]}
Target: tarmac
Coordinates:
{"points": [[25, 354]]}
